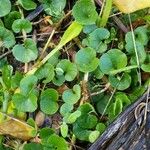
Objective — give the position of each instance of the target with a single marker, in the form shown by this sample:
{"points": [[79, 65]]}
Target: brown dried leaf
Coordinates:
{"points": [[16, 128]]}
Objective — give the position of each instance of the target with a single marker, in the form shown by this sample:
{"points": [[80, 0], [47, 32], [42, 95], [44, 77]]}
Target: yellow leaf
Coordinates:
{"points": [[129, 6], [16, 128]]}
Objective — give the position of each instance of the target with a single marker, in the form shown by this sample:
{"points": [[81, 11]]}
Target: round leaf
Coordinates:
{"points": [[96, 40], [10, 18], [64, 129], [93, 136], [57, 142], [112, 60], [71, 96], [68, 69], [46, 72], [65, 109], [22, 24], [27, 4], [120, 83], [48, 102], [27, 84], [25, 103], [84, 12], [5, 7], [87, 121], [86, 60], [7, 38], [26, 52]]}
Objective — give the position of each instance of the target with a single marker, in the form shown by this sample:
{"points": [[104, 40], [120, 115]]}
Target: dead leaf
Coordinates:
{"points": [[129, 6], [16, 128]]}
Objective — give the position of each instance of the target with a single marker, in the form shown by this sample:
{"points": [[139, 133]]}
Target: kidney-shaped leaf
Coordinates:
{"points": [[71, 96], [25, 103], [27, 84], [5, 7], [48, 102], [26, 52], [27, 4], [120, 83], [86, 60], [84, 12], [112, 60], [69, 70], [7, 38], [96, 40], [22, 24]]}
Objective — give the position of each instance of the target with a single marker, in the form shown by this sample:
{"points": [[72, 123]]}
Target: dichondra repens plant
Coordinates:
{"points": [[78, 83]]}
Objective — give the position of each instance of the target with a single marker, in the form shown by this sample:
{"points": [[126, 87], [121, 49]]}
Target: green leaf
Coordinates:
{"points": [[140, 52], [25, 103], [86, 108], [10, 18], [96, 40], [7, 71], [65, 109], [86, 60], [46, 72], [64, 129], [93, 136], [54, 8], [27, 84], [100, 127], [141, 36], [45, 133], [80, 133], [145, 67], [48, 101], [32, 146], [22, 24], [71, 96], [72, 117], [69, 70], [26, 52], [84, 12], [120, 83], [7, 38], [72, 31], [27, 4], [5, 7], [58, 80], [112, 60], [15, 80], [118, 106], [57, 142], [124, 98], [102, 103], [87, 121], [89, 28]]}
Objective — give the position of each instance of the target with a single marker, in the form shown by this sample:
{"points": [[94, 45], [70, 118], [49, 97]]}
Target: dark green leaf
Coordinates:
{"points": [[26, 52], [22, 24], [71, 96], [84, 12], [86, 60], [48, 102]]}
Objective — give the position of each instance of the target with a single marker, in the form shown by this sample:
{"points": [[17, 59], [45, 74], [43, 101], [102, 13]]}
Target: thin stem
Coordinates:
{"points": [[47, 43], [123, 69], [135, 49]]}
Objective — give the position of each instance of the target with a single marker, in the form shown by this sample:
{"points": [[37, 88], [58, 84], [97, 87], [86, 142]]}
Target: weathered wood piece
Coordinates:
{"points": [[126, 132]]}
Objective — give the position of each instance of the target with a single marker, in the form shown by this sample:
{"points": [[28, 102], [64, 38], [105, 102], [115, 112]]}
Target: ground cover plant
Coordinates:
{"points": [[67, 69]]}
